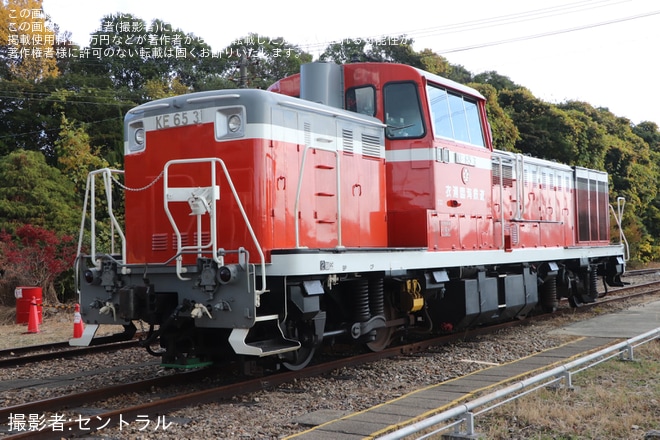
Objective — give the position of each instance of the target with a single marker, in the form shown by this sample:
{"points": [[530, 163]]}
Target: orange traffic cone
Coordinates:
{"points": [[33, 320], [78, 326]]}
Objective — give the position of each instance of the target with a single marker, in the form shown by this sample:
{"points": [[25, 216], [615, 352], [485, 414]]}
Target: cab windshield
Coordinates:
{"points": [[455, 116], [403, 114]]}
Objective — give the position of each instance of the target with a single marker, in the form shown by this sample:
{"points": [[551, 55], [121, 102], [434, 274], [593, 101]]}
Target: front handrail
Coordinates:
{"points": [[90, 198], [167, 192], [618, 216]]}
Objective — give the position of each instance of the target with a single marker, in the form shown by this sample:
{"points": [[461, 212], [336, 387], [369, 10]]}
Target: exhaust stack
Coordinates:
{"points": [[322, 83]]}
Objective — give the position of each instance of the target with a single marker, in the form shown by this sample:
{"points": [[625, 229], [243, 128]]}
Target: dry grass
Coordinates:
{"points": [[615, 400], [57, 326], [7, 315]]}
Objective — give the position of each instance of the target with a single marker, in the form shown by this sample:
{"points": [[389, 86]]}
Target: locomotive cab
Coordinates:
{"points": [[449, 190]]}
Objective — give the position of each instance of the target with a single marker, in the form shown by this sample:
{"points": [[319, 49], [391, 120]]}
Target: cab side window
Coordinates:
{"points": [[361, 100], [403, 114]]}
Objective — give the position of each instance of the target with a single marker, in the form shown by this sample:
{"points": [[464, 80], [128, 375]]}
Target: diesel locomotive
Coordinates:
{"points": [[345, 203]]}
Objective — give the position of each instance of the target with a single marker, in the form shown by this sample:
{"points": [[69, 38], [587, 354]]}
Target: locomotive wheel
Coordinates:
{"points": [[383, 339], [383, 334], [575, 301], [303, 332], [299, 359], [578, 299]]}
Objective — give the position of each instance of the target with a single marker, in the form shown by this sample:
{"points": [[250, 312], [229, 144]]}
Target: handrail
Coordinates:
{"points": [[465, 412], [500, 167], [213, 216], [90, 193], [194, 194], [520, 187], [618, 215]]}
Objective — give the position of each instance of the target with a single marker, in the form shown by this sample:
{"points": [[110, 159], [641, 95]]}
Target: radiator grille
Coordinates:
{"points": [[371, 145]]}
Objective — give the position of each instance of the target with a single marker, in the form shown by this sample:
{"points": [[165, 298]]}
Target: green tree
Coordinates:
{"points": [[263, 60], [633, 168], [391, 49], [133, 52], [31, 114], [500, 82], [395, 50], [650, 132], [504, 131], [162, 88], [101, 110], [345, 51], [26, 40], [459, 74], [585, 133], [26, 122], [434, 63], [542, 126], [32, 192], [75, 156]]}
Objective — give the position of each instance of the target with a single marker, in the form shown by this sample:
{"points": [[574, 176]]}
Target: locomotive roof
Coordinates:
{"points": [[449, 83], [437, 79], [260, 101], [373, 66]]}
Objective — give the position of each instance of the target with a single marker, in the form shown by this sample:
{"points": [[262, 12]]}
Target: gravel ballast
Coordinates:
{"points": [[277, 413]]}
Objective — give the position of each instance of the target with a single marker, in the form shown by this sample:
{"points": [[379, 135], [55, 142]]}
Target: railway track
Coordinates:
{"points": [[20, 356], [639, 272], [48, 352], [171, 397]]}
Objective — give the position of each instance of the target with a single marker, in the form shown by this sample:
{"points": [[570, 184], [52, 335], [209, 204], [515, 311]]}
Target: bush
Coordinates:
{"points": [[33, 256]]}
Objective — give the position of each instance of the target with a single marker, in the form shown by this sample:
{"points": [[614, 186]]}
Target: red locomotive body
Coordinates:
{"points": [[345, 202], [447, 188], [273, 168]]}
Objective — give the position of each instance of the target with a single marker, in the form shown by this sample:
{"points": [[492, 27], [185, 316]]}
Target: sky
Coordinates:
{"points": [[603, 52]]}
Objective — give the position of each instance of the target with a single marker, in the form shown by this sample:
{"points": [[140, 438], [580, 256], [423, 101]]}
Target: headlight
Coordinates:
{"points": [[234, 123], [136, 137], [92, 276], [227, 274], [229, 123], [139, 136]]}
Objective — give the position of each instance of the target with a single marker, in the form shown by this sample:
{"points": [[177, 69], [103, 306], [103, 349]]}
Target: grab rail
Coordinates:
{"points": [[618, 215], [90, 198], [201, 195]]}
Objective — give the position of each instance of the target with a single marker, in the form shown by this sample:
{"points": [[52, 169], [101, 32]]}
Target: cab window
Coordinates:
{"points": [[455, 116], [361, 100], [403, 114]]}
